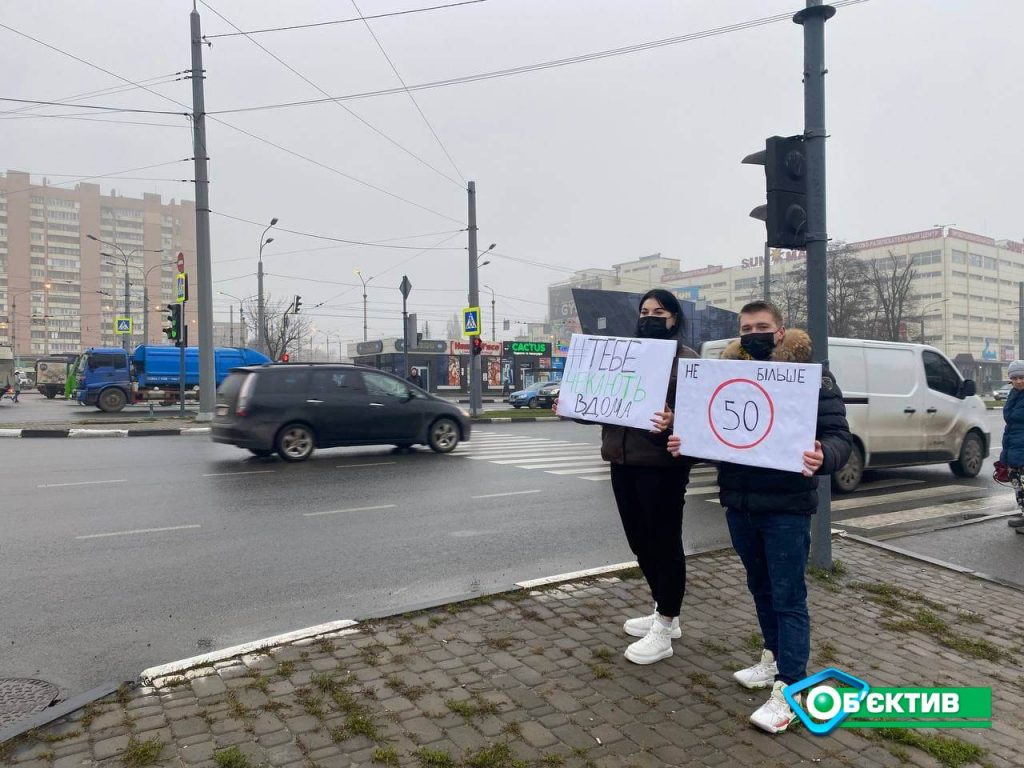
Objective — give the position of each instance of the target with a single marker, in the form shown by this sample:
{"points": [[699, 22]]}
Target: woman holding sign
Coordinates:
{"points": [[649, 487]]}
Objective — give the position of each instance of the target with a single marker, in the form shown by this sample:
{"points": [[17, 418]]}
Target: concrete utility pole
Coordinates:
{"points": [[475, 395], [204, 268], [1020, 320], [767, 273], [813, 19]]}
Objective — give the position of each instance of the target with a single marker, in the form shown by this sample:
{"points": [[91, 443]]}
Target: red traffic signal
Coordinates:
{"points": [[477, 345], [284, 358]]}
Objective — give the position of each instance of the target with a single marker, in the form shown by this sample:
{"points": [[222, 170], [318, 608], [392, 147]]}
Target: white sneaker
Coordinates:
{"points": [[654, 646], [761, 675], [775, 715], [641, 626]]}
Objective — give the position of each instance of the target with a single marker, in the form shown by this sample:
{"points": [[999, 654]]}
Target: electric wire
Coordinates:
{"points": [[358, 117], [407, 91], [342, 21], [351, 244], [231, 126], [109, 91], [97, 176], [689, 37]]}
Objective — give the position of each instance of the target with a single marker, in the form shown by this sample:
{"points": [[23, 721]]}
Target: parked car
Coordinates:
{"points": [[531, 396], [547, 395], [294, 408], [1002, 393], [906, 403]]}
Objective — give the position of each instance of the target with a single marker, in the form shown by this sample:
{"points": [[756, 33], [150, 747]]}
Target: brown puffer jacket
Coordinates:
{"points": [[641, 447]]}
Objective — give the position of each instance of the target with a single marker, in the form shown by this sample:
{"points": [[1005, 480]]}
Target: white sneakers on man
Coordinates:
{"points": [[761, 675], [654, 646], [775, 715], [639, 627]]}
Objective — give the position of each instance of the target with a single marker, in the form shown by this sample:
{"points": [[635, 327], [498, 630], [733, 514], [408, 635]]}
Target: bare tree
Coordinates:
{"points": [[852, 297], [284, 330], [892, 279]]}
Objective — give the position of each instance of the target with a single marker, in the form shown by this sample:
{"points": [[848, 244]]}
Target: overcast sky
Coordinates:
{"points": [[580, 166]]}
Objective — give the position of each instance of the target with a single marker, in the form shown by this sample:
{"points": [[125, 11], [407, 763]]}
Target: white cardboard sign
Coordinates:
{"points": [[615, 379], [747, 412]]}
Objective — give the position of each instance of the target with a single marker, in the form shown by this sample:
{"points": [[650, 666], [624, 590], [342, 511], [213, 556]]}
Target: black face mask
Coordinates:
{"points": [[758, 345], [650, 327]]}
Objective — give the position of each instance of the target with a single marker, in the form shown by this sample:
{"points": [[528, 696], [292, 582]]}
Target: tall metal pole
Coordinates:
{"points": [[767, 274], [231, 325], [475, 395], [241, 325], [405, 338], [126, 340], [14, 329], [204, 285], [261, 331], [813, 19]]}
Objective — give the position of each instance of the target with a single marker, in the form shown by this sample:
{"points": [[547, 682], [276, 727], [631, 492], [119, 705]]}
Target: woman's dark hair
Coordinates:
{"points": [[669, 302]]}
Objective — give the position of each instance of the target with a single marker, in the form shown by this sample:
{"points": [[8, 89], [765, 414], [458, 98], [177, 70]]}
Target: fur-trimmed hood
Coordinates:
{"points": [[795, 348]]}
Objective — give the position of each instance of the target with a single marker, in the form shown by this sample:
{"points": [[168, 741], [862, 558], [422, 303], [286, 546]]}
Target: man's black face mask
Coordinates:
{"points": [[758, 345]]}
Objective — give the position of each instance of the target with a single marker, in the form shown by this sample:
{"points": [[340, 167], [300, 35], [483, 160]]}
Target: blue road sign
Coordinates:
{"points": [[122, 325], [471, 321]]}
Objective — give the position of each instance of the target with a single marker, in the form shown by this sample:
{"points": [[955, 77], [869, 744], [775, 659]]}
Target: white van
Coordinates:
{"points": [[906, 404]]}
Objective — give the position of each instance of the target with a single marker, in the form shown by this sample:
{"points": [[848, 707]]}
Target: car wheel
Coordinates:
{"points": [[444, 436], [517, 406], [849, 476], [969, 463], [531, 403], [261, 452], [111, 400], [295, 442]]}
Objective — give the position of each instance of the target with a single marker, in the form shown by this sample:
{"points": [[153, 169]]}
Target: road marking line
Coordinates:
{"points": [[537, 453], [375, 464], [703, 490], [250, 472], [587, 470], [522, 446], [543, 461], [138, 530], [83, 482], [567, 464], [879, 484], [892, 498], [343, 511], [605, 478], [923, 513], [510, 493]]}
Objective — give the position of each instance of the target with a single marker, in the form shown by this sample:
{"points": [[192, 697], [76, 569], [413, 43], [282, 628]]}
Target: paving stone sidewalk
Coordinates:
{"points": [[537, 678]]}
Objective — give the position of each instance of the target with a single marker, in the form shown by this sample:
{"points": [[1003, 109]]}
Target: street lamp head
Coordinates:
{"points": [[268, 241], [93, 237], [485, 263], [491, 247], [273, 221]]}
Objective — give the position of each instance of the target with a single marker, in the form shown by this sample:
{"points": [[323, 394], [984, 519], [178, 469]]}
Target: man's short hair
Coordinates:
{"points": [[763, 306]]}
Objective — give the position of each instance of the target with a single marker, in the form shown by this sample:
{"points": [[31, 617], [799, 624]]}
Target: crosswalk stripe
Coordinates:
{"points": [[892, 498], [987, 505], [589, 461], [876, 485], [571, 471], [703, 490], [532, 456]]}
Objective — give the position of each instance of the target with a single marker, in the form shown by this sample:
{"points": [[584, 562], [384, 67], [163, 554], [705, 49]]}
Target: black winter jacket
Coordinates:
{"points": [[760, 490]]}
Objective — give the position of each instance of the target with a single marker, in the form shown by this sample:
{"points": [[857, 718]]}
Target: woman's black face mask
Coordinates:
{"points": [[758, 345], [651, 327]]}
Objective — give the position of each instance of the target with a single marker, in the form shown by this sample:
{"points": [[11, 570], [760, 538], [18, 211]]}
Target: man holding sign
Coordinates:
{"points": [[769, 498]]}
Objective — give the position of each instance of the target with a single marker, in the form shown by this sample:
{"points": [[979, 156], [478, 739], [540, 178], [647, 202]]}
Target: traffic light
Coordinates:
{"points": [[173, 329], [785, 168], [285, 358], [477, 345], [298, 303]]}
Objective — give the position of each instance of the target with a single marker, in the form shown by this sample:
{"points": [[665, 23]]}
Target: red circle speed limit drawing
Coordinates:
{"points": [[741, 413]]}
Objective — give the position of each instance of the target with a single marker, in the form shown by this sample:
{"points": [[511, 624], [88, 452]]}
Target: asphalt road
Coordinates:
{"points": [[117, 554]]}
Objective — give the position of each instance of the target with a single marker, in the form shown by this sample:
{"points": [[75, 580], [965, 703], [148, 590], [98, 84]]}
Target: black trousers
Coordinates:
{"points": [[650, 502]]}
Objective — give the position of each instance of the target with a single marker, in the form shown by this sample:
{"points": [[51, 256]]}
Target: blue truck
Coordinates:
{"points": [[110, 379]]}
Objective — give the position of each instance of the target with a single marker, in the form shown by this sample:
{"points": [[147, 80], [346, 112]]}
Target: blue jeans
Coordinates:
{"points": [[774, 548]]}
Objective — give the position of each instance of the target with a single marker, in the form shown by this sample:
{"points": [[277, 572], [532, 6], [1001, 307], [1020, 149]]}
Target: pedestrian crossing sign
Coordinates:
{"points": [[123, 326], [471, 321]]}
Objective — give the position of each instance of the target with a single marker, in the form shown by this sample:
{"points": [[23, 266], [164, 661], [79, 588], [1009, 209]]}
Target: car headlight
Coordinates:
{"points": [[464, 412]]}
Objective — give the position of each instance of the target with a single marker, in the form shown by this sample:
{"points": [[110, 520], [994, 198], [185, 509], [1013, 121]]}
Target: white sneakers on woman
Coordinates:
{"points": [[639, 627], [655, 641], [761, 675]]}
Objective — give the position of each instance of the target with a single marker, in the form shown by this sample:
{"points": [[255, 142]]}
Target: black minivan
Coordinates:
{"points": [[293, 408]]}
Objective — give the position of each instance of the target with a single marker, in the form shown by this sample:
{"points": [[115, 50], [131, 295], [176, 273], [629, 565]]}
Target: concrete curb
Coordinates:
{"points": [[84, 433]]}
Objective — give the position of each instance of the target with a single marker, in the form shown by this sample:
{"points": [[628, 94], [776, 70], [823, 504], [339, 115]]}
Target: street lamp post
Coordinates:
{"points": [[494, 331], [364, 281], [261, 329], [125, 258], [14, 323], [231, 321], [921, 316]]}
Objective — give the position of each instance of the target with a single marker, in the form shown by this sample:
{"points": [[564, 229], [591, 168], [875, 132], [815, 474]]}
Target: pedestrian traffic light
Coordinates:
{"points": [[477, 345], [173, 329], [785, 168], [298, 303]]}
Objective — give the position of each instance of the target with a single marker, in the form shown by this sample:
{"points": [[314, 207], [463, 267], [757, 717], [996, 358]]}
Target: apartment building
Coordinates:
{"points": [[60, 290]]}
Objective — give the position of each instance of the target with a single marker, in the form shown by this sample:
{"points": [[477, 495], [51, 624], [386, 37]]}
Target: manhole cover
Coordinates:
{"points": [[20, 697]]}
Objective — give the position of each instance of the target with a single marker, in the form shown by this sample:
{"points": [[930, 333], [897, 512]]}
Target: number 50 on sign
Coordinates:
{"points": [[747, 412]]}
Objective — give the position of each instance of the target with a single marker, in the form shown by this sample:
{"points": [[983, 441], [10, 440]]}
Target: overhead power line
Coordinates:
{"points": [[305, 79], [113, 174], [690, 37], [278, 228], [342, 21], [90, 106], [353, 243], [231, 126], [407, 91]]}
